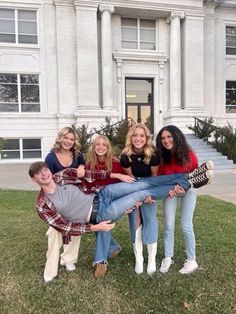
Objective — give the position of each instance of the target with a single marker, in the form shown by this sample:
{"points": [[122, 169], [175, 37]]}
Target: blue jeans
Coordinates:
{"points": [[187, 204], [149, 223], [116, 198]]}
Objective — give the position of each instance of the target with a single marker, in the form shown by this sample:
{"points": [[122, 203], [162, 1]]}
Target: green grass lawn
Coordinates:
{"points": [[212, 289]]}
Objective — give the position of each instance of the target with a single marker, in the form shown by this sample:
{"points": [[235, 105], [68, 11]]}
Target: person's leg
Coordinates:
{"points": [[188, 204], [169, 212], [114, 248], [70, 253], [135, 224], [118, 190], [114, 210], [52, 255], [150, 233]]}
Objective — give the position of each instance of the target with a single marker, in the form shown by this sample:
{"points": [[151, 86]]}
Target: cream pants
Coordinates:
{"points": [[69, 255]]}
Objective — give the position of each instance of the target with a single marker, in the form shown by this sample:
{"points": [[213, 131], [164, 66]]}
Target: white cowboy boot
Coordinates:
{"points": [[152, 251], [138, 251]]}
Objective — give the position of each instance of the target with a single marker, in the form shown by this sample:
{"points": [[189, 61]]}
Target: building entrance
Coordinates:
{"points": [[139, 100]]}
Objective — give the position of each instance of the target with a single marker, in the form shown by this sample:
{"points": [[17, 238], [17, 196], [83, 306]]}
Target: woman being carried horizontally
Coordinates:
{"points": [[139, 160], [176, 156]]}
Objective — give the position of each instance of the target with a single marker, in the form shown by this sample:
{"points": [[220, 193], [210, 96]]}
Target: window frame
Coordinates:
{"points": [[233, 106], [16, 21], [20, 103], [21, 149], [232, 35], [138, 28]]}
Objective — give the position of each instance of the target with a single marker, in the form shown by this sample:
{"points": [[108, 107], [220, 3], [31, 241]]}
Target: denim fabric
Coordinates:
{"points": [[149, 223], [105, 245], [115, 199], [187, 205]]}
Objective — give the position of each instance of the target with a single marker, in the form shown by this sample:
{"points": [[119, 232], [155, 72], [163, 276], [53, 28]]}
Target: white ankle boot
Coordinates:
{"points": [[138, 251], [152, 251]]}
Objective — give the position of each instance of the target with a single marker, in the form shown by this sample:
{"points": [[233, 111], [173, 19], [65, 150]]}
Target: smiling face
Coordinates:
{"points": [[43, 177], [167, 140], [100, 147], [67, 141], [139, 139]]}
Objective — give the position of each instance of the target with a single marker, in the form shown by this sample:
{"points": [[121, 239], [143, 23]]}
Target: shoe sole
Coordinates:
{"points": [[210, 176], [193, 270], [209, 165]]}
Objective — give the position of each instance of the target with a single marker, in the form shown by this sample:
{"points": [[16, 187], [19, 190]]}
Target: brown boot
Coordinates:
{"points": [[100, 271], [115, 252]]}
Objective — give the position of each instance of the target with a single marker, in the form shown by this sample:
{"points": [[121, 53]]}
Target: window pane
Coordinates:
{"points": [[11, 144], [7, 38], [231, 41], [29, 79], [10, 154], [129, 34], [31, 143], [230, 96], [30, 93], [32, 154], [231, 51], [27, 15], [27, 39], [5, 13], [148, 46], [26, 27], [30, 107], [230, 30], [129, 22], [147, 23], [9, 107], [8, 78], [8, 93], [129, 45], [147, 34], [7, 26]]}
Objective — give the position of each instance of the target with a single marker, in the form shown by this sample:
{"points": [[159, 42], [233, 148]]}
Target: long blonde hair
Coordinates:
{"points": [[148, 148], [57, 145], [92, 158]]}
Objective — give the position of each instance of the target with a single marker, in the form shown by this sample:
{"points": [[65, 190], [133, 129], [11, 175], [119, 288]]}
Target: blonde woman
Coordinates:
{"points": [[139, 160], [100, 157], [65, 152]]}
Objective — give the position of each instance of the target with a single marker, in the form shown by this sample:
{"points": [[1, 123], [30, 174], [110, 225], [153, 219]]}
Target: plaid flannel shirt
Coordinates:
{"points": [[48, 212]]}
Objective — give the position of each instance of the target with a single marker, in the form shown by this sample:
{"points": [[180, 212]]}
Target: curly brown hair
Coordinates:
{"points": [[180, 150]]}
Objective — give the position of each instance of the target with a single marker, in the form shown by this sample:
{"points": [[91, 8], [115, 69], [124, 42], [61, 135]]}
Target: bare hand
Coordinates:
{"points": [[103, 226], [80, 171], [149, 200], [126, 178]]}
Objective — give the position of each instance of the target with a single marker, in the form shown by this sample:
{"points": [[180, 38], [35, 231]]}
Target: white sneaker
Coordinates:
{"points": [[70, 267], [165, 264], [47, 278], [189, 267]]}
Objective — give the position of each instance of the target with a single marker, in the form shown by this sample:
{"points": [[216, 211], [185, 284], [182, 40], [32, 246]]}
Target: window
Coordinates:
{"points": [[18, 26], [24, 148], [19, 93], [230, 96], [230, 40], [138, 34]]}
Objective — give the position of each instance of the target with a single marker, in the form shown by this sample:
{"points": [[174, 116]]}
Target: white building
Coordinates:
{"points": [[78, 61]]}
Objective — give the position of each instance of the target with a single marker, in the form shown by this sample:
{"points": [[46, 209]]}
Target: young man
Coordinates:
{"points": [[68, 209]]}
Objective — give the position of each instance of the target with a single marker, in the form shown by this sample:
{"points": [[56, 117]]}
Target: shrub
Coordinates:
{"points": [[203, 129], [84, 136]]}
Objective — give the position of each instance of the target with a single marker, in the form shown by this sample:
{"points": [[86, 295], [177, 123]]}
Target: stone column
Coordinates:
{"points": [[175, 59], [106, 56], [87, 56], [66, 56]]}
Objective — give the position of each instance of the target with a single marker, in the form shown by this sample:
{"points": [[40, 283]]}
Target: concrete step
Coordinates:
{"points": [[206, 152]]}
